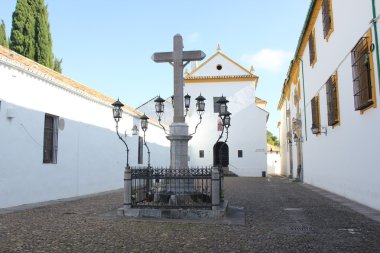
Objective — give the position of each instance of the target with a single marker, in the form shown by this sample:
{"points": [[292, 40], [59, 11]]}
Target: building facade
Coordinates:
{"points": [[244, 152], [57, 136], [329, 109]]}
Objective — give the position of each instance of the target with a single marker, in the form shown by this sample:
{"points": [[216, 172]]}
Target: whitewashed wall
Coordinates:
{"points": [[90, 157], [343, 161], [247, 131]]}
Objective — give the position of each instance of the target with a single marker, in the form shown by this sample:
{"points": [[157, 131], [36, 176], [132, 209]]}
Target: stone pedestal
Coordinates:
{"points": [[179, 138]]}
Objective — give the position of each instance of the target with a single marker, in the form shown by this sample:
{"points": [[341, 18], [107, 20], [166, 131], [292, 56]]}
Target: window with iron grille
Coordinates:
{"points": [[327, 18], [332, 100], [316, 124], [361, 74], [140, 150], [50, 139], [312, 53]]}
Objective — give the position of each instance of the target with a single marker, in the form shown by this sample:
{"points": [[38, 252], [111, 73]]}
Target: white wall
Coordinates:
{"points": [[343, 161], [90, 156], [247, 131], [274, 163]]}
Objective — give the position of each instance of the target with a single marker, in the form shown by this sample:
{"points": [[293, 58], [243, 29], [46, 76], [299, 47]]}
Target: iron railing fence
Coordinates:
{"points": [[171, 188]]}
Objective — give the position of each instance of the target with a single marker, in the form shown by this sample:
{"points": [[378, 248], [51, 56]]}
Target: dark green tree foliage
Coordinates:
{"points": [[23, 33], [272, 139], [30, 34], [44, 45], [57, 65], [3, 35]]}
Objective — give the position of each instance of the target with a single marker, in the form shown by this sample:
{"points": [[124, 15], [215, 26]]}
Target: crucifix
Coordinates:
{"points": [[178, 59], [179, 135]]}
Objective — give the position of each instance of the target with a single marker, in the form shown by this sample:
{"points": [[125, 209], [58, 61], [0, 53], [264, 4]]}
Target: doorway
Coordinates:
{"points": [[221, 154]]}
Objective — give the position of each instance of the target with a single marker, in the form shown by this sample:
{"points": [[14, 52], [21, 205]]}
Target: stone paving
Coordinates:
{"points": [[281, 216]]}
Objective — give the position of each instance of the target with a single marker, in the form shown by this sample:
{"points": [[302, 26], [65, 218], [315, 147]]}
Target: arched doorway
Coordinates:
{"points": [[221, 154]]}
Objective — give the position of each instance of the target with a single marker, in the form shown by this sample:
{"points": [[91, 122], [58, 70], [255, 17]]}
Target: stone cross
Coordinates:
{"points": [[179, 134], [179, 59]]}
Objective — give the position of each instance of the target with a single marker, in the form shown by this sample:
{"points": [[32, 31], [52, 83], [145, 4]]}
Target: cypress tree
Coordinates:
{"points": [[30, 34], [44, 45], [22, 38], [57, 65], [3, 35]]}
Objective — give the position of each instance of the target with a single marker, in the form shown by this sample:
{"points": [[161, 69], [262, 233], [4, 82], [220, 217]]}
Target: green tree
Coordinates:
{"points": [[57, 65], [22, 38], [44, 46], [272, 139], [30, 34], [3, 35]]}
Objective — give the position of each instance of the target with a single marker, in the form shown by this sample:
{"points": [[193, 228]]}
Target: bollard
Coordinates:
{"points": [[215, 186], [127, 188]]}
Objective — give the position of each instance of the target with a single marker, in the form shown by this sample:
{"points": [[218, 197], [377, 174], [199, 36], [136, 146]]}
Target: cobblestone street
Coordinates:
{"points": [[281, 216]]}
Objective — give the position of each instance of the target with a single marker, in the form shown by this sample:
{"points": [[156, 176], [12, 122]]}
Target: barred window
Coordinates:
{"points": [[361, 74], [332, 101], [312, 53], [50, 139], [316, 124], [327, 18]]}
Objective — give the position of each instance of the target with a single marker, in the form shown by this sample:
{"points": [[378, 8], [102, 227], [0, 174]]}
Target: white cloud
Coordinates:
{"points": [[269, 59]]}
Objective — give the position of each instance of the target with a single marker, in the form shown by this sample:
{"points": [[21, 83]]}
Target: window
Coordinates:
{"points": [[316, 124], [50, 139], [332, 100], [216, 105], [312, 50], [327, 18], [240, 153], [140, 150], [201, 153], [362, 73]]}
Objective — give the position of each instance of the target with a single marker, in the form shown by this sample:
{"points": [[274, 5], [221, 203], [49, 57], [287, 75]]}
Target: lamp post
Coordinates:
{"points": [[225, 116], [200, 108], [144, 127], [117, 115]]}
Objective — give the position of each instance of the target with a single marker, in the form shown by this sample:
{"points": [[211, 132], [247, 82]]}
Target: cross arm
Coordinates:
{"points": [[186, 56]]}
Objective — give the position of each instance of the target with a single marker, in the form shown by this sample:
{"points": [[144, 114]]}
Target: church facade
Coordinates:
{"points": [[243, 150], [329, 101], [58, 136]]}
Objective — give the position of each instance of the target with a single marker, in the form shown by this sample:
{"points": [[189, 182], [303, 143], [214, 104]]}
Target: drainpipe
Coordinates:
{"points": [[374, 20]]}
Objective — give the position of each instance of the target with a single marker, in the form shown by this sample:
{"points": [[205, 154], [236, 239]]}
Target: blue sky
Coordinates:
{"points": [[107, 45]]}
